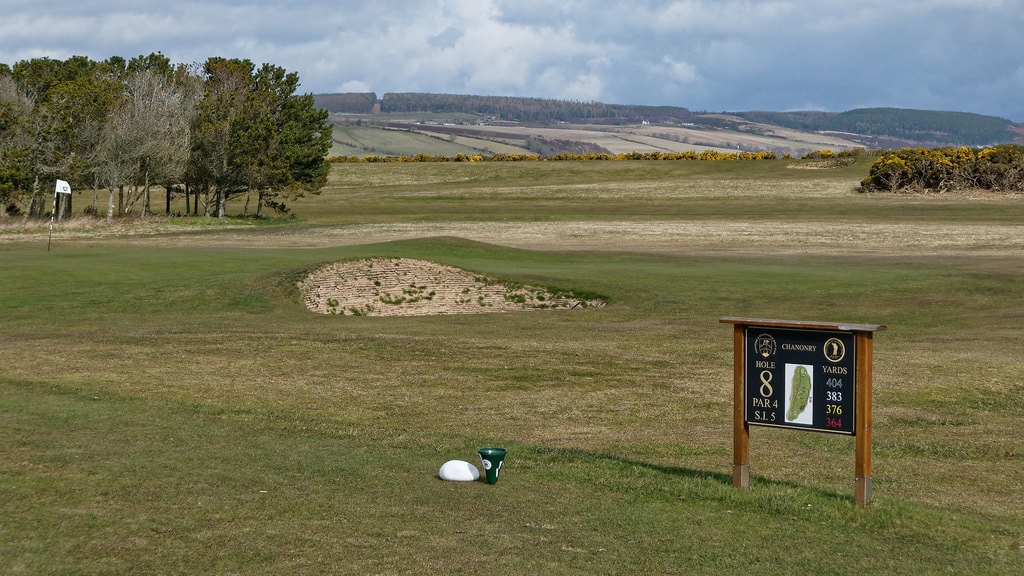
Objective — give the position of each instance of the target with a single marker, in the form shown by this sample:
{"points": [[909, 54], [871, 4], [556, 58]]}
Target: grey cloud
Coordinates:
{"points": [[700, 54]]}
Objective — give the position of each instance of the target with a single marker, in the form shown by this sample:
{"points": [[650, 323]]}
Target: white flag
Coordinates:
{"points": [[63, 187]]}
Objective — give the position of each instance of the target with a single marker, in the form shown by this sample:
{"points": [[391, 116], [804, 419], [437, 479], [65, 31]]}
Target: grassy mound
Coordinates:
{"points": [[411, 287]]}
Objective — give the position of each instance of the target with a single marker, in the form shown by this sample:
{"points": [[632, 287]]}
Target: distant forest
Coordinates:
{"points": [[913, 125], [892, 125], [504, 108]]}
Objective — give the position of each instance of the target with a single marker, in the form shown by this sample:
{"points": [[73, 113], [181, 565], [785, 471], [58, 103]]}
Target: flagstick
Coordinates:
{"points": [[62, 187], [50, 237]]}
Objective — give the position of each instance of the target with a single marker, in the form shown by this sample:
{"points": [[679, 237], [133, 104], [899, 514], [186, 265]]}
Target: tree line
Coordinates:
{"points": [[206, 131], [505, 108]]}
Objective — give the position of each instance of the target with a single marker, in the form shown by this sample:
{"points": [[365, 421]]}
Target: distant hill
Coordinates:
{"points": [[899, 126], [535, 110], [506, 124]]}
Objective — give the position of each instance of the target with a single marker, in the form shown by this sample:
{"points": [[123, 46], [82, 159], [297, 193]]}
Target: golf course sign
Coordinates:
{"points": [[802, 375]]}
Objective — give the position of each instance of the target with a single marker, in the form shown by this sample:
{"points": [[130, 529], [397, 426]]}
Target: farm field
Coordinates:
{"points": [[168, 404], [409, 134]]}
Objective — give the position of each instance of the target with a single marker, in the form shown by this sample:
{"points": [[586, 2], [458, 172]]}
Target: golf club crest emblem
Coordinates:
{"points": [[765, 345]]}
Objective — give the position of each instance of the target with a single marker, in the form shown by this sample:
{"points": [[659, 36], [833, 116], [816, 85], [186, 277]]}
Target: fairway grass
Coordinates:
{"points": [[169, 405]]}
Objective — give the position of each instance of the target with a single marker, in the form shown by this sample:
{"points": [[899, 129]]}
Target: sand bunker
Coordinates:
{"points": [[408, 287]]}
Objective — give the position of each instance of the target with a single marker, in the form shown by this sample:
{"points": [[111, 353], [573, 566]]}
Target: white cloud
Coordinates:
{"points": [[678, 72], [354, 86], [583, 86], [730, 17]]}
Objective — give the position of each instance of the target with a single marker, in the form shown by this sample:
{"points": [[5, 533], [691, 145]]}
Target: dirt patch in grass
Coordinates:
{"points": [[410, 287]]}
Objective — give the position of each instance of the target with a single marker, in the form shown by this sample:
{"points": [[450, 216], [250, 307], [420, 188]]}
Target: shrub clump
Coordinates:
{"points": [[998, 168]]}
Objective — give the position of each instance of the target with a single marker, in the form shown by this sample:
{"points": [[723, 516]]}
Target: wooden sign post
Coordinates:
{"points": [[802, 375]]}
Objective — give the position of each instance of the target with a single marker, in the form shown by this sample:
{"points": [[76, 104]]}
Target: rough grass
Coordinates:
{"points": [[168, 405]]}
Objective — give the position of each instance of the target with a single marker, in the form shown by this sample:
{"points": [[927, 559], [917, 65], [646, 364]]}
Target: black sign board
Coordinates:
{"points": [[797, 378], [804, 375]]}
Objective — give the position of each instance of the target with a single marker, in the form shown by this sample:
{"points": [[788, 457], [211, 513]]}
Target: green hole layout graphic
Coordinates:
{"points": [[799, 393]]}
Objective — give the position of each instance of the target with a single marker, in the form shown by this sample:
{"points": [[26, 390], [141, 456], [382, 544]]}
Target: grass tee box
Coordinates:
{"points": [[802, 375]]}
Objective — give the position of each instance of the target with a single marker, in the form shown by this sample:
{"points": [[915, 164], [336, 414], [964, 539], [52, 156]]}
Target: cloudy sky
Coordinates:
{"points": [[705, 55]]}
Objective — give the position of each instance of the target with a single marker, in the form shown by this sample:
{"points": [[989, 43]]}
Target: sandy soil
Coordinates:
{"points": [[409, 287]]}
